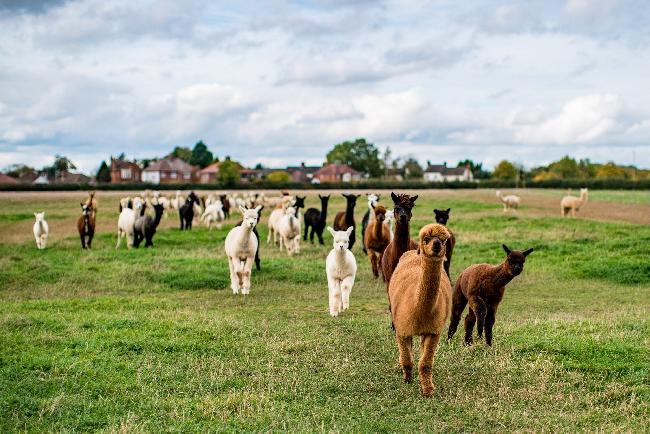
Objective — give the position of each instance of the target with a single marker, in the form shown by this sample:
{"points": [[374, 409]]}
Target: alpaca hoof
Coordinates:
{"points": [[408, 377], [427, 391]]}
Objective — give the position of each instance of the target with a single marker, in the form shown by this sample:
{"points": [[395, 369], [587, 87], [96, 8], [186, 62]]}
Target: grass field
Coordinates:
{"points": [[154, 340]]}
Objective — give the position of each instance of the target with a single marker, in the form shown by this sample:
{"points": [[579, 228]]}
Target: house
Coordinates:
{"points": [[442, 173], [62, 177], [302, 173], [209, 174], [169, 170], [6, 179], [123, 171], [336, 173], [250, 175]]}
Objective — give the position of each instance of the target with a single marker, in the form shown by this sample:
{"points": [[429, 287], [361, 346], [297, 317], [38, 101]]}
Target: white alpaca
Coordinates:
{"points": [[41, 230], [341, 270], [509, 202], [213, 214], [572, 203], [390, 222], [289, 230], [274, 221], [178, 200], [125, 227], [240, 246]]}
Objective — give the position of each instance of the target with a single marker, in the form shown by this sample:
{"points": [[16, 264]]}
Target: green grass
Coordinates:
{"points": [[153, 340]]}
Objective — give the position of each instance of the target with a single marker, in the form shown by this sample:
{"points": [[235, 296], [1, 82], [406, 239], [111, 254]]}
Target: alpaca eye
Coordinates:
{"points": [[427, 239]]}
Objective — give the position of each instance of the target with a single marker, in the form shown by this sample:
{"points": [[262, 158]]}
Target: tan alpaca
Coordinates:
{"points": [[510, 202], [572, 203], [420, 300]]}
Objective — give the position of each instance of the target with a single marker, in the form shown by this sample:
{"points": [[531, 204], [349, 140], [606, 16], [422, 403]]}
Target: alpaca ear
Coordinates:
{"points": [[506, 249], [378, 197], [448, 210], [418, 251], [331, 231], [394, 197], [344, 195], [413, 199], [242, 209], [349, 230], [35, 214], [258, 208], [528, 252]]}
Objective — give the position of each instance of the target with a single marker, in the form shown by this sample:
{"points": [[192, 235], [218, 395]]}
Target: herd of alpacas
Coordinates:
{"points": [[419, 291]]}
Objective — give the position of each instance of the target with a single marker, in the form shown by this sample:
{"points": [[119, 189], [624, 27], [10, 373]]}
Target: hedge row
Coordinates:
{"points": [[596, 184]]}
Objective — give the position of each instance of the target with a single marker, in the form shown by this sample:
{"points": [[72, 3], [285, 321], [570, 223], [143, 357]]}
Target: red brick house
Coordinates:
{"points": [[6, 179], [123, 171], [336, 173], [170, 170], [209, 174]]}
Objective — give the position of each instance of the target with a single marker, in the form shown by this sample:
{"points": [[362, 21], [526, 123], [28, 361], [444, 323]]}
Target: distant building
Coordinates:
{"points": [[250, 175], [441, 173], [66, 177], [169, 170], [302, 173], [123, 171], [6, 179], [336, 173], [209, 174]]}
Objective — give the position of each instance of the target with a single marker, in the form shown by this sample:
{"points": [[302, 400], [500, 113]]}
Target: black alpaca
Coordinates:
{"points": [[299, 203], [442, 216], [257, 235], [344, 220], [225, 203], [316, 220], [145, 227], [186, 212]]}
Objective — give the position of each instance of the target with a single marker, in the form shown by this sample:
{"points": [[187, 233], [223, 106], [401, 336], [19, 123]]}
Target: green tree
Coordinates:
{"points": [[62, 163], [104, 173], [505, 170], [611, 171], [229, 172], [183, 153], [259, 166], [201, 156], [412, 169], [360, 155], [278, 176], [565, 168], [16, 170]]}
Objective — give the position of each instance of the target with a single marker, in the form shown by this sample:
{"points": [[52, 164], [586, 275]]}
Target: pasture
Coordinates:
{"points": [[154, 339]]}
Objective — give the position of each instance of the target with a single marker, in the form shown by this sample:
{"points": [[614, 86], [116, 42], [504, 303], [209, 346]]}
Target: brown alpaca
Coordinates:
{"points": [[86, 225], [482, 286], [377, 237], [92, 202], [420, 297], [402, 241]]}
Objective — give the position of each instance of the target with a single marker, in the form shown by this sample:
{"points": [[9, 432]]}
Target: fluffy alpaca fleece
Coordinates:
{"points": [[572, 204], [482, 286], [442, 217], [289, 230], [240, 246], [344, 220], [510, 202], [213, 215], [273, 224], [125, 226], [420, 298], [41, 230], [373, 200], [86, 225], [341, 270], [377, 237], [402, 241], [257, 237]]}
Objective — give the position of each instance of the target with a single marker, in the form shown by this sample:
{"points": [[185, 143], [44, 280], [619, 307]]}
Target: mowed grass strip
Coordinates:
{"points": [[154, 340]]}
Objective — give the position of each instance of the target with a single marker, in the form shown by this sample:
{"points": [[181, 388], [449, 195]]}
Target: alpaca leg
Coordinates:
{"points": [[269, 235], [573, 212], [43, 241], [346, 289], [119, 238], [470, 319], [234, 281], [304, 237], [90, 239], [83, 241], [246, 274], [372, 257], [490, 319], [296, 242], [334, 286], [320, 238], [405, 345], [428, 346], [458, 305], [480, 310]]}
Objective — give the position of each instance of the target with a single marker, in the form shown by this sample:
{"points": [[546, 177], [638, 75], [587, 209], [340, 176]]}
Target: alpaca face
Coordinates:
{"points": [[250, 216], [380, 213], [351, 199], [290, 211], [192, 198], [299, 202], [40, 216], [373, 199], [403, 206], [85, 209], [341, 238], [324, 199], [432, 240], [389, 216], [516, 259], [442, 215]]}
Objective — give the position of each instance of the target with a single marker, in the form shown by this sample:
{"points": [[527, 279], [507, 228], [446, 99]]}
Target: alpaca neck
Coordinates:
{"points": [[340, 256], [429, 283], [402, 237], [245, 235], [323, 213], [349, 215], [156, 220], [41, 227], [501, 276], [379, 226]]}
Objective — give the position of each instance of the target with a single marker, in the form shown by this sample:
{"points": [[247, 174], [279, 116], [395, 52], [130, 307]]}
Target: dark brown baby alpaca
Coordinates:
{"points": [[482, 286]]}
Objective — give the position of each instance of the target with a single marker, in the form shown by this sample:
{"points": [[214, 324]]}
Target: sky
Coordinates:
{"points": [[280, 82]]}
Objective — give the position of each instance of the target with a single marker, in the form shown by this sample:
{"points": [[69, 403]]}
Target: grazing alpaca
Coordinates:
{"points": [[402, 241], [226, 205], [341, 269], [509, 202], [316, 220], [572, 203], [345, 220], [289, 229], [376, 239], [482, 286], [125, 225], [257, 237], [41, 230], [213, 214], [145, 227], [240, 247], [86, 225], [442, 216], [186, 211], [420, 299], [373, 200]]}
